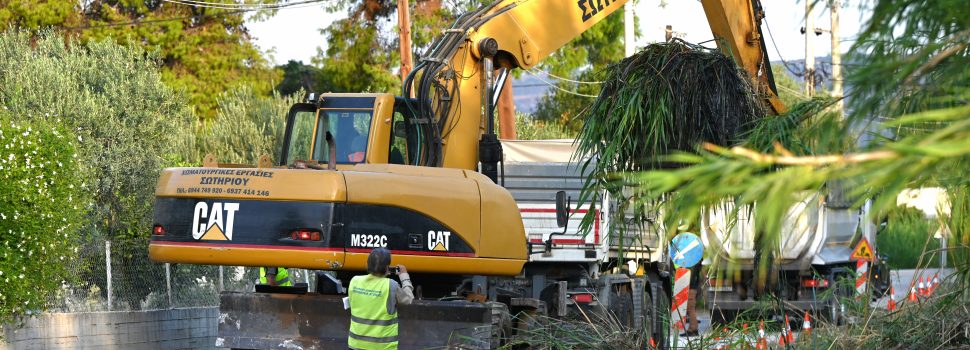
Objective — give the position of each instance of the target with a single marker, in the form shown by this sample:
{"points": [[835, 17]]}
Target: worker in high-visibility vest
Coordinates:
{"points": [[275, 276], [373, 303]]}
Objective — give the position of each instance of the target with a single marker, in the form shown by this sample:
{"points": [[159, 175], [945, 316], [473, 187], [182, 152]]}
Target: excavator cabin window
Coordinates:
{"points": [[350, 129], [308, 127], [404, 137]]}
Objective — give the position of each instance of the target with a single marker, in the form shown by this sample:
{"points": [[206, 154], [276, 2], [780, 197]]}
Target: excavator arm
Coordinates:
{"points": [[458, 82]]}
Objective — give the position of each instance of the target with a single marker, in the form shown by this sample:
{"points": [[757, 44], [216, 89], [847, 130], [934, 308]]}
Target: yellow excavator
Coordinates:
{"points": [[418, 176]]}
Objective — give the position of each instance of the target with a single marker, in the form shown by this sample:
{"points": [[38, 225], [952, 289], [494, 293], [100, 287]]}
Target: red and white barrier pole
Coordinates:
{"points": [[862, 279], [678, 311]]}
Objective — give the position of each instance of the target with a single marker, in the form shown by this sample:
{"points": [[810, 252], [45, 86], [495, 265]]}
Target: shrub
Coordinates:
{"points": [[128, 125], [247, 126], [529, 127], [903, 239], [42, 205]]}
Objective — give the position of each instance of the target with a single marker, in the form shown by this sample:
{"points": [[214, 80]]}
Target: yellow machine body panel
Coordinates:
{"points": [[430, 218]]}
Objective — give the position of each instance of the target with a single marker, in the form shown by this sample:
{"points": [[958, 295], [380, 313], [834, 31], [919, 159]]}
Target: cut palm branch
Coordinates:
{"points": [[668, 97]]}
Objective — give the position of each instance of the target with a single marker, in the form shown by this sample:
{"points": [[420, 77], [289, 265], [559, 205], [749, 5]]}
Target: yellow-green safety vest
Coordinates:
{"points": [[282, 277], [371, 326]]}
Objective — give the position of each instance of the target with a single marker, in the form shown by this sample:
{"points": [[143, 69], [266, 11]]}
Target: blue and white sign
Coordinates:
{"points": [[686, 250]]}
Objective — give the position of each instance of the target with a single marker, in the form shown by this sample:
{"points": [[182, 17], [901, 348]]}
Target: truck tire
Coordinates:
{"points": [[621, 306], [648, 311], [501, 324], [660, 320]]}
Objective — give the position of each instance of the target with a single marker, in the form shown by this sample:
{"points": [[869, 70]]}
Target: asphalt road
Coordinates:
{"points": [[903, 280]]}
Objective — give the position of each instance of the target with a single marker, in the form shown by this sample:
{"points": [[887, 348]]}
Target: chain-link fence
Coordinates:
{"points": [[118, 276]]}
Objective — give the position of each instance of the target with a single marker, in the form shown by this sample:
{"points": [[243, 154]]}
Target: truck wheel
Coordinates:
{"points": [[648, 307], [660, 320], [501, 324], [621, 306]]}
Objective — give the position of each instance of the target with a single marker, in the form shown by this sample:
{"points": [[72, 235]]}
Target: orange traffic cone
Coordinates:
{"points": [[936, 282], [790, 337], [653, 344], [912, 293], [892, 299], [807, 325], [762, 340], [922, 287], [745, 338]]}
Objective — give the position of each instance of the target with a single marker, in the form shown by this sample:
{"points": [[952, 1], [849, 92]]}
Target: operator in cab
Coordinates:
{"points": [[373, 303], [274, 276]]}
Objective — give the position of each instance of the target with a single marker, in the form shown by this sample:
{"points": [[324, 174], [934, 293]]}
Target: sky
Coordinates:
{"points": [[294, 33]]}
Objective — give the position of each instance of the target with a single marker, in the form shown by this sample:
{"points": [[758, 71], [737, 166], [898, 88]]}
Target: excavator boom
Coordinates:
{"points": [[458, 75]]}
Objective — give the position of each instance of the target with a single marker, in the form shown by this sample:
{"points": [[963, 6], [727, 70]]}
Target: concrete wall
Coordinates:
{"points": [[188, 328]]}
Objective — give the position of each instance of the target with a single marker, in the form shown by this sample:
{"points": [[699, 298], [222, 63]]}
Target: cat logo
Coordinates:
{"points": [[438, 240], [220, 218]]}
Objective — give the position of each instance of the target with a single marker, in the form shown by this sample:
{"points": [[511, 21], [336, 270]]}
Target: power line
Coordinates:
{"points": [[561, 78], [227, 6], [563, 90], [782, 58], [195, 17]]}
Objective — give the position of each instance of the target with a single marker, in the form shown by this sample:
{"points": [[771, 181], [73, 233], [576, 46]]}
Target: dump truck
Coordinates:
{"points": [[818, 235], [420, 174]]}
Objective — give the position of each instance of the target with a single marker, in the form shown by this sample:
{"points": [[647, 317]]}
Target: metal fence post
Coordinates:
{"points": [[168, 283], [222, 285], [107, 261]]}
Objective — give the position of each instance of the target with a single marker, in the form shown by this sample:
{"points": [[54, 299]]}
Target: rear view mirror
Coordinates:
{"points": [[562, 209]]}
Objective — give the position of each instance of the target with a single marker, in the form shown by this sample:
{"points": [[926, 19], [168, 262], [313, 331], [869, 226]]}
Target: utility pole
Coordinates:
{"points": [[628, 30], [809, 50], [836, 57], [404, 28], [506, 112]]}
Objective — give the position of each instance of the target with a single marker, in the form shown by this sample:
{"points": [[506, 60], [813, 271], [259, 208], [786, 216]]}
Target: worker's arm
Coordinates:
{"points": [[405, 295]]}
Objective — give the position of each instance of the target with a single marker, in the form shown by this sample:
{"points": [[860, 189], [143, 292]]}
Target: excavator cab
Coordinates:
{"points": [[366, 128]]}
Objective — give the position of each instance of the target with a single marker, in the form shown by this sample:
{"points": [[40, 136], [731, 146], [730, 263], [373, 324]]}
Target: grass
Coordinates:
{"points": [[941, 321], [527, 127]]}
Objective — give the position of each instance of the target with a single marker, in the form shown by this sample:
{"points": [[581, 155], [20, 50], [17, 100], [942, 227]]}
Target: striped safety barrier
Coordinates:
{"points": [[862, 281], [678, 310]]}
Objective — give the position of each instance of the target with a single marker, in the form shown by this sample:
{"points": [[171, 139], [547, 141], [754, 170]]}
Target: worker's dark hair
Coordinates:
{"points": [[378, 260]]}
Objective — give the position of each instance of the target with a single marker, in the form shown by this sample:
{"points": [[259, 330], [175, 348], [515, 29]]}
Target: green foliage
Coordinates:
{"points": [[905, 238], [42, 204], [804, 129], [204, 51], [112, 97], [298, 76], [128, 124], [247, 126], [958, 223], [363, 54], [918, 45], [789, 91], [358, 58]]}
